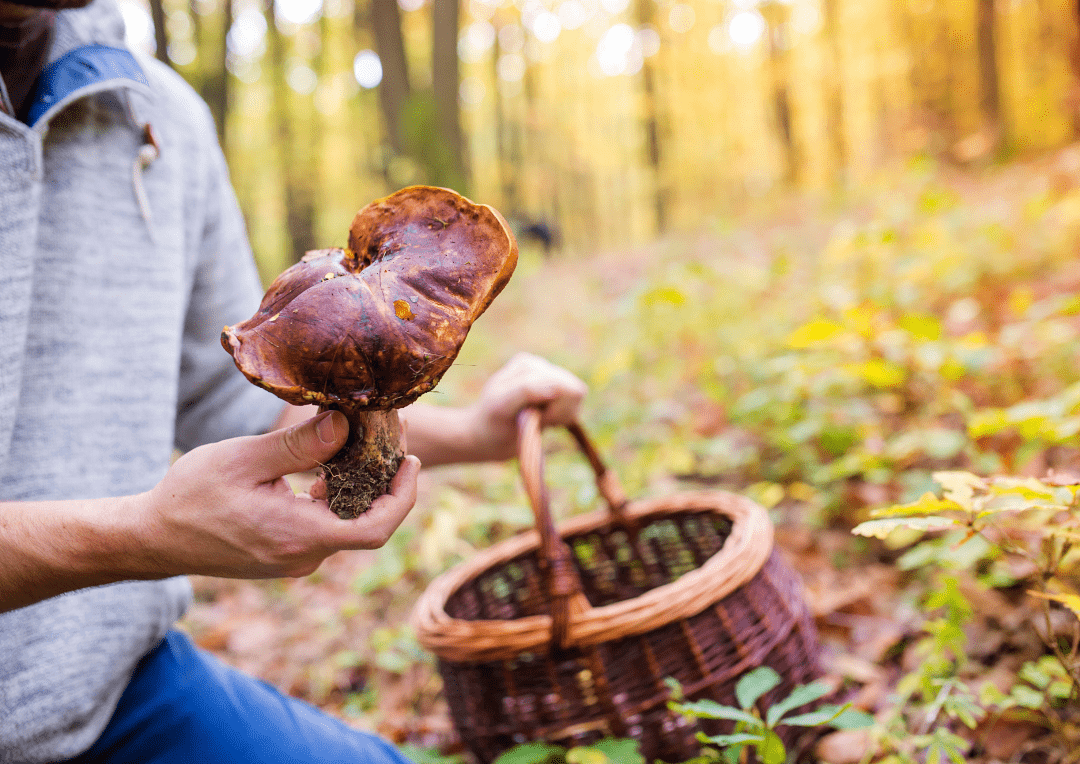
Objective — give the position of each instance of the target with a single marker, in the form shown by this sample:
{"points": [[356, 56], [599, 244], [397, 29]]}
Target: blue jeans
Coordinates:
{"points": [[183, 706]]}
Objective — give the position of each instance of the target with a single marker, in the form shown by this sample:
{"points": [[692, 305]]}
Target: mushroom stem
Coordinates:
{"points": [[364, 467]]}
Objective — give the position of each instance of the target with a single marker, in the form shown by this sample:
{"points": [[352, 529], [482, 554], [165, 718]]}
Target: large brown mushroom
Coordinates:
{"points": [[368, 329]]}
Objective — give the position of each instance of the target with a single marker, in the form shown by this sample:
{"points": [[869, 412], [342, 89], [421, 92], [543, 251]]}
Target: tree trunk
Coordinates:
{"points": [[834, 96], [297, 185], [215, 88], [778, 75], [445, 82], [646, 15], [394, 89], [161, 36], [377, 156], [989, 83], [196, 23], [503, 161], [1073, 97]]}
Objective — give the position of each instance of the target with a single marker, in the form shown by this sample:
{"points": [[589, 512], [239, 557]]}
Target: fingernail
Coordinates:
{"points": [[326, 428]]}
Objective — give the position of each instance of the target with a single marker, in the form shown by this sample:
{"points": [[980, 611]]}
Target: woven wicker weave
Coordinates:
{"points": [[568, 635]]}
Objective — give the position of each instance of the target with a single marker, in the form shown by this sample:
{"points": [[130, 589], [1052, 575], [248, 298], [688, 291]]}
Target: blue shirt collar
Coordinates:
{"points": [[90, 68]]}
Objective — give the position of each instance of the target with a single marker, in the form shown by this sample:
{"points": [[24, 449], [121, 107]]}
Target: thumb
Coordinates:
{"points": [[295, 449]]}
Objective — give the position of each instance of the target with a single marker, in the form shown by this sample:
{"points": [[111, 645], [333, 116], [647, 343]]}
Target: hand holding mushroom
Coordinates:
{"points": [[368, 329]]}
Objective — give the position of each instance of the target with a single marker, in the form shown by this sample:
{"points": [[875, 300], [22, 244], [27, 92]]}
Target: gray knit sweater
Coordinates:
{"points": [[116, 277]]}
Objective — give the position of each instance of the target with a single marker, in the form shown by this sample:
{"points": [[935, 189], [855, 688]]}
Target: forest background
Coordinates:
{"points": [[614, 121], [817, 252]]}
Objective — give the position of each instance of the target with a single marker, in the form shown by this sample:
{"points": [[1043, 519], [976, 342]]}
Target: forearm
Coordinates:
{"points": [[444, 435], [51, 547], [221, 510]]}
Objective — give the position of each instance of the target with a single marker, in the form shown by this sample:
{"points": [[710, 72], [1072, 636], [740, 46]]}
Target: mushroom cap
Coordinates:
{"points": [[376, 325]]}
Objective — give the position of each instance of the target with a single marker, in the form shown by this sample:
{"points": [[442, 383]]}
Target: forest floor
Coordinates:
{"points": [[340, 638]]}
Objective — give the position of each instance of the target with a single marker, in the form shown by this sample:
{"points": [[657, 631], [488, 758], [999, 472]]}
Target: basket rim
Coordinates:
{"points": [[744, 552]]}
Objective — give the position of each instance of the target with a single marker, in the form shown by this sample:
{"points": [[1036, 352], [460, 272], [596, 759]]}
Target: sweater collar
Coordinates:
{"points": [[87, 56]]}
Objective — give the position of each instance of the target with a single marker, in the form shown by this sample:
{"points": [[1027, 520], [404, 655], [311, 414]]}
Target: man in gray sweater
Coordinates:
{"points": [[122, 254]]}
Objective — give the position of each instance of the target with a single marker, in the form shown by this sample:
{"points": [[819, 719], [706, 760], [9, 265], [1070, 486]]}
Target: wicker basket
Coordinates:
{"points": [[568, 635]]}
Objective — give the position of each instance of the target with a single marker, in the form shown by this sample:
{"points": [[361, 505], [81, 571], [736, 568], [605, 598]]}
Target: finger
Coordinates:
{"points": [[298, 448], [374, 527], [563, 399], [561, 410], [559, 403]]}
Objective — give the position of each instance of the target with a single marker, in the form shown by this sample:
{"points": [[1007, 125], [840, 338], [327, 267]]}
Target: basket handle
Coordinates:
{"points": [[564, 585], [606, 481]]}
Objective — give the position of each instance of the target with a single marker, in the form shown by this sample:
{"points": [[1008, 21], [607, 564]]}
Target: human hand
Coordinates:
{"points": [[226, 510], [525, 381]]}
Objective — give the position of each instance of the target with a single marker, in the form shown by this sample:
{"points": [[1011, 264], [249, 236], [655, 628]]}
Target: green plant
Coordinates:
{"points": [[1036, 521], [608, 751], [430, 755], [978, 529], [757, 732], [1040, 685]]}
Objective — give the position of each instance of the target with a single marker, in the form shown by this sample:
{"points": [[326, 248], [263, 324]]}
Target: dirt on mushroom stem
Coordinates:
{"points": [[365, 466]]}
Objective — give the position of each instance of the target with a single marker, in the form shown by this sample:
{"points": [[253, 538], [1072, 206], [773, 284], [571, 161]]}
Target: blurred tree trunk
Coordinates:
{"points": [[989, 82], [1046, 24], [296, 173], [504, 161], [926, 40], [161, 35], [1072, 98], [946, 49], [320, 168], [445, 80], [541, 186], [646, 16], [215, 84], [394, 89], [779, 46], [196, 23], [379, 162], [834, 96]]}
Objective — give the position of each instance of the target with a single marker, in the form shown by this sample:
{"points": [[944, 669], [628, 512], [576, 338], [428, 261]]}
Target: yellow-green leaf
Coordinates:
{"points": [[1069, 600], [922, 327], [664, 294], [959, 487], [813, 333], [882, 528], [988, 422], [1026, 488], [586, 755], [927, 504], [878, 373]]}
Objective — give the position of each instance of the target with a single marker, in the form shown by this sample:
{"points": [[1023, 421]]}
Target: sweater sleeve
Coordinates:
{"points": [[215, 400]]}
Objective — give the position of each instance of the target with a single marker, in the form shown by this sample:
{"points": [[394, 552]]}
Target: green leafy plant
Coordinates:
{"points": [[984, 526], [1039, 685], [608, 751], [430, 755], [756, 731], [1035, 521]]}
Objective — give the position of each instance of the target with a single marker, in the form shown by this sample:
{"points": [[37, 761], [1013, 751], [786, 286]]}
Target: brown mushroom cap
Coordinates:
{"points": [[376, 325]]}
